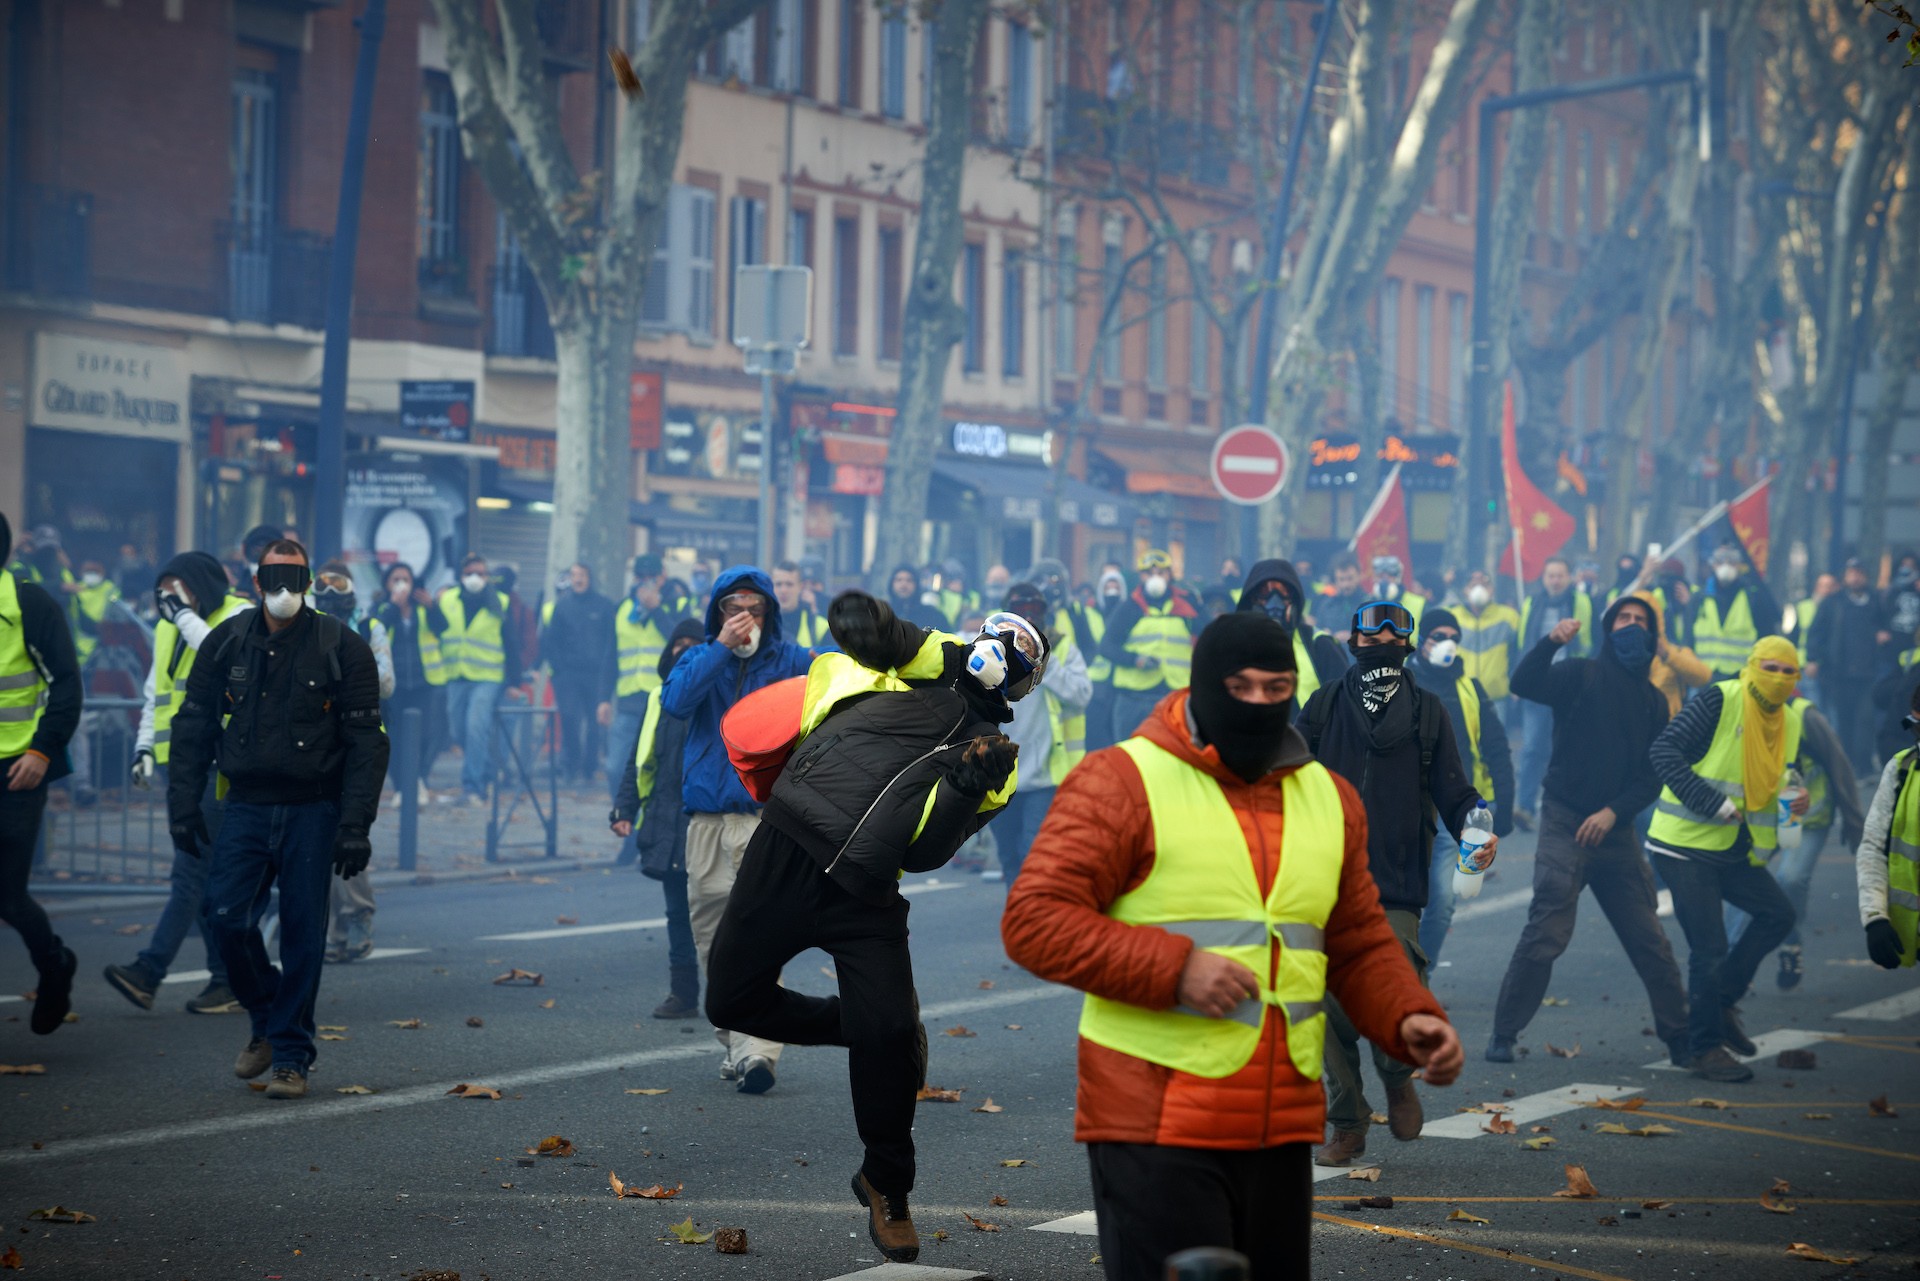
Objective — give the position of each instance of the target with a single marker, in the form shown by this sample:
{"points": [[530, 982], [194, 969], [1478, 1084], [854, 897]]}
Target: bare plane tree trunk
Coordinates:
{"points": [[1895, 355], [933, 321]]}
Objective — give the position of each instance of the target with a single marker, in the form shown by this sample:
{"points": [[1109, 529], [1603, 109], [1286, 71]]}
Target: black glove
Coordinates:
{"points": [[869, 632], [1883, 944], [985, 764], [351, 852], [189, 832], [170, 605]]}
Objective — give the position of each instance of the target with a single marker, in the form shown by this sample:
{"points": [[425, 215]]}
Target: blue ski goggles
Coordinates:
{"points": [[1383, 615]]}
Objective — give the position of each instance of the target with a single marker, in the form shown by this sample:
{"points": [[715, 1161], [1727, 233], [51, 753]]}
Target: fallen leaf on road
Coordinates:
{"points": [[518, 975], [1493, 1108], [566, 920], [412, 1025], [130, 930], [552, 1145], [1539, 1129], [1015, 1163], [1802, 1060], [332, 1027], [11, 1260], [1801, 1250], [547, 1004], [1578, 1184], [1767, 1202], [688, 1234], [1374, 1203], [730, 1240], [1644, 1132], [1633, 1104], [1655, 1205], [960, 1030], [1556, 1000], [830, 972], [23, 1069], [997, 1200], [1560, 1053], [1880, 1107], [1499, 1125], [1540, 1144], [989, 1106], [352, 1089], [1816, 1116], [476, 1021], [1607, 1221], [1013, 1027], [940, 1234], [1461, 1216], [1717, 1105], [656, 1192], [61, 1214], [986, 985], [465, 1091], [331, 1036], [506, 1185], [648, 1092], [258, 1087], [1369, 1174], [979, 1225], [934, 1094]]}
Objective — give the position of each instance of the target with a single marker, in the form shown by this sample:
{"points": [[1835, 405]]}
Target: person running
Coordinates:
{"points": [[1886, 865], [1380, 732], [651, 782], [1207, 884], [1439, 669], [192, 598], [901, 759], [1272, 587], [1722, 761], [40, 699], [745, 649], [287, 708], [1605, 716]]}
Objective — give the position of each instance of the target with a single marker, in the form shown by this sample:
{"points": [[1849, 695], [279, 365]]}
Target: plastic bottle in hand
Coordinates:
{"points": [[1466, 873], [1787, 831]]}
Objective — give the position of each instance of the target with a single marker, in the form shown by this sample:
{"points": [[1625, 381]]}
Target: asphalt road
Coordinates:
{"points": [[138, 1121]]}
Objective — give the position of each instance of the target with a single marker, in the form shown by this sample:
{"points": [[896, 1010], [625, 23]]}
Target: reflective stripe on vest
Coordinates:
{"points": [[1903, 862], [1161, 636], [473, 649], [1470, 711], [1068, 729], [23, 689], [168, 689], [1724, 635], [1203, 885], [640, 645], [1486, 646], [1722, 768]]}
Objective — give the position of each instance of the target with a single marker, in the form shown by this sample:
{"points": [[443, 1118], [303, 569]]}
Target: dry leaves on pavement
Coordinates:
{"points": [[465, 1091], [411, 1025], [1816, 1116], [657, 1192], [1769, 1202], [997, 1199], [1643, 1132], [687, 1234], [986, 985], [332, 1036], [518, 975], [1461, 1216], [352, 1089], [547, 1004], [476, 1021], [960, 1030], [1655, 1205], [1578, 1184], [332, 1027], [129, 930], [1633, 1104], [1556, 1000], [1540, 1144], [23, 1069], [1499, 1125], [566, 920], [1716, 1105], [648, 1092], [1880, 1107], [1560, 1053], [61, 1214], [979, 1225], [552, 1145], [1368, 1174], [11, 1260], [1801, 1250], [989, 1106], [730, 1240], [934, 1094], [1015, 1163]]}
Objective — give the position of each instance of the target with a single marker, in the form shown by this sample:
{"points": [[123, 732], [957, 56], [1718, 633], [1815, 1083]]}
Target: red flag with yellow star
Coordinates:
{"points": [[1540, 527], [1752, 519], [1384, 530]]}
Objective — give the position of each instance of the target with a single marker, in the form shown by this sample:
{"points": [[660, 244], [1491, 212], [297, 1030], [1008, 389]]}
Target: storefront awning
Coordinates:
{"points": [[1161, 471], [1020, 491]]}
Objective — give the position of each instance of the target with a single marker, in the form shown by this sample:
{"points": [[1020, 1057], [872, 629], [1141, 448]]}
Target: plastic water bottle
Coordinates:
{"points": [[1787, 831], [1466, 873]]}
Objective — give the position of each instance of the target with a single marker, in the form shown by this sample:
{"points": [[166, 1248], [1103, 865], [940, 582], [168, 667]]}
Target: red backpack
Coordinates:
{"points": [[761, 731]]}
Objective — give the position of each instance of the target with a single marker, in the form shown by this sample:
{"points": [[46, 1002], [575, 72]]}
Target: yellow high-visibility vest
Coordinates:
{"points": [[639, 646], [170, 686], [1160, 635], [1470, 711], [1724, 636], [1203, 886], [474, 648], [1903, 861], [23, 689], [1723, 767], [1487, 642]]}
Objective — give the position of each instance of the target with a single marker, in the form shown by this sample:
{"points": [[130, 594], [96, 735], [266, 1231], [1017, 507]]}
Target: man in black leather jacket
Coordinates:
{"points": [[285, 703]]}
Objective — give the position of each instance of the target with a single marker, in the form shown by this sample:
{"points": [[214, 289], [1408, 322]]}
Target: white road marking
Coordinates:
{"points": [[658, 922], [911, 1272], [1887, 1009], [1082, 1224], [324, 1108], [201, 976], [1765, 1046], [1471, 909], [1524, 1111]]}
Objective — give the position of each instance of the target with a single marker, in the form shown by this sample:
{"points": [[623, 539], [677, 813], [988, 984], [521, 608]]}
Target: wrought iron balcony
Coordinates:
{"points": [[517, 323], [49, 249], [277, 276]]}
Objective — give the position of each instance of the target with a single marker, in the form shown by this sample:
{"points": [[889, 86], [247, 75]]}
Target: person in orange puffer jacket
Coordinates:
{"points": [[1200, 1047]]}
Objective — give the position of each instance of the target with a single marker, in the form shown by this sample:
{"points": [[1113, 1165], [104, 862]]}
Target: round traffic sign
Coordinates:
{"points": [[1249, 464]]}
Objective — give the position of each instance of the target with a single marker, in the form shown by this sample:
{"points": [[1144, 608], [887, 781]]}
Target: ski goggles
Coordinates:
{"points": [[332, 583], [1383, 615], [293, 578]]}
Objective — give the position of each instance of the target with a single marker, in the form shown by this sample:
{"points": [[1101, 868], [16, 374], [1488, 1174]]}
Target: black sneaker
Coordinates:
{"points": [[755, 1075], [1499, 1051], [1717, 1065], [676, 1008], [132, 984], [1789, 975], [214, 999], [54, 997], [1735, 1037]]}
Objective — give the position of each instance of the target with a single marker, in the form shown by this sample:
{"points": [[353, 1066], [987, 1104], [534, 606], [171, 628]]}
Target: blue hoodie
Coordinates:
{"points": [[708, 680]]}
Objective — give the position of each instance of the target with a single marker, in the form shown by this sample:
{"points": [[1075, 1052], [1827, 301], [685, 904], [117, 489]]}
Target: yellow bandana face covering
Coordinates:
{"points": [[1764, 719]]}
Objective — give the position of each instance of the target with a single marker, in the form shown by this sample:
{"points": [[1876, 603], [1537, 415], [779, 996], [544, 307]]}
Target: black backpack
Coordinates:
{"points": [[1432, 718]]}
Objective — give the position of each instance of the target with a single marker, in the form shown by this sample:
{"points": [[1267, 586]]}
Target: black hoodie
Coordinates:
{"points": [[913, 609], [1329, 656], [204, 576], [1605, 718]]}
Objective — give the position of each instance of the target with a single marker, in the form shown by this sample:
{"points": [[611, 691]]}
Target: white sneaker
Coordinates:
{"points": [[426, 797], [727, 1070], [1663, 903], [756, 1075]]}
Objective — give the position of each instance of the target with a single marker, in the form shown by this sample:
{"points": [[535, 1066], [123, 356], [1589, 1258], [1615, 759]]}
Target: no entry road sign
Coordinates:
{"points": [[1249, 464]]}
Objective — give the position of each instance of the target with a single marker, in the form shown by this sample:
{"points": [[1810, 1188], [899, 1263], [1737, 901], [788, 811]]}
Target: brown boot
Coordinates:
{"points": [[888, 1222], [1404, 1117], [1343, 1149]]}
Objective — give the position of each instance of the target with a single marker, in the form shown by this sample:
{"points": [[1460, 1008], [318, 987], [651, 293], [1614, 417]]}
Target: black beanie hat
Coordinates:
{"points": [[1436, 616], [6, 540], [1250, 737], [1237, 641]]}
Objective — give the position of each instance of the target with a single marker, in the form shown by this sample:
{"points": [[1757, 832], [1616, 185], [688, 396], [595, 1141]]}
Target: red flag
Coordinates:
{"points": [[1540, 527], [1384, 530], [1751, 516]]}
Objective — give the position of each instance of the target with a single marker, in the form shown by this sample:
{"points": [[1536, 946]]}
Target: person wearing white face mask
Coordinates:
{"points": [[478, 651], [416, 661], [1489, 631], [1149, 641], [1440, 668], [1734, 610]]}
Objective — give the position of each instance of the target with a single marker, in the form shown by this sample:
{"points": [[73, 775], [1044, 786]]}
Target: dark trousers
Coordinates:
{"points": [[1717, 976], [1347, 1105], [19, 833], [1015, 830], [1131, 707], [1155, 1201], [683, 955], [1853, 719], [258, 846], [580, 731], [1617, 873], [781, 905]]}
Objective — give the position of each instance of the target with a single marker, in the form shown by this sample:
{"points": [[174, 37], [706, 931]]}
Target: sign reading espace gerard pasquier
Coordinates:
{"points": [[92, 384]]}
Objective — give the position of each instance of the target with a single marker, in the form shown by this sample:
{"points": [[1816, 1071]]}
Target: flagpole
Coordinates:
{"points": [[1714, 513], [1507, 462]]}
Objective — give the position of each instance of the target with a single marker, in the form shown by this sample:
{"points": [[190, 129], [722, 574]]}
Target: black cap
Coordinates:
{"points": [[258, 537], [648, 565], [1436, 616]]}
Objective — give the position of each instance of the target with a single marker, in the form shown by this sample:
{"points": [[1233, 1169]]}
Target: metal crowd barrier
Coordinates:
{"points": [[101, 833], [514, 724]]}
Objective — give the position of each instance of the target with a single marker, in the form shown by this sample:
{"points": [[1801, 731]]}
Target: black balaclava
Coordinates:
{"points": [[691, 629], [204, 576], [1250, 737]]}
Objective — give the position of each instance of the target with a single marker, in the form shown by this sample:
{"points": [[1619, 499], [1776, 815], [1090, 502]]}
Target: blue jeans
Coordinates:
{"points": [[1718, 974], [620, 740], [186, 907], [258, 846], [683, 955], [1438, 917], [1536, 748], [470, 707], [1793, 869]]}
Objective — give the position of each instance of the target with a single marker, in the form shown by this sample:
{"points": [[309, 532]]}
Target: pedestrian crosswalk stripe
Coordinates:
{"points": [[1887, 1009], [201, 976], [1765, 1046], [658, 922], [1471, 909], [911, 1272], [1524, 1111]]}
